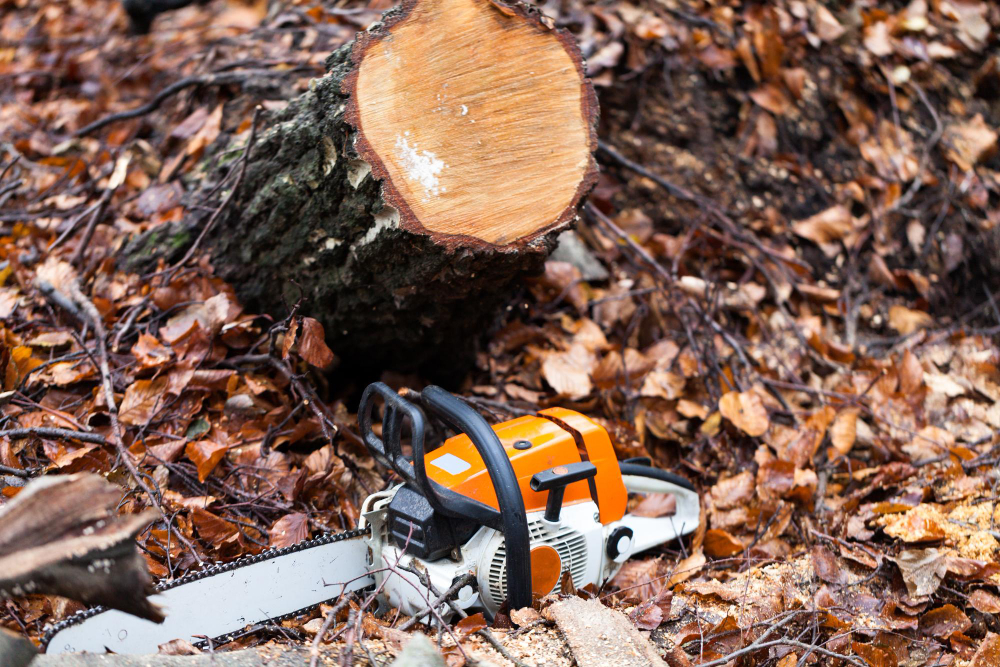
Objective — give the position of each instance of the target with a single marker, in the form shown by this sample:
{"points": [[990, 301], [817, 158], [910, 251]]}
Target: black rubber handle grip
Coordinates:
{"points": [[463, 419], [645, 470]]}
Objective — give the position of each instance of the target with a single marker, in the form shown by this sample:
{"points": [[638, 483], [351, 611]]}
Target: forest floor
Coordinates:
{"points": [[788, 293]]}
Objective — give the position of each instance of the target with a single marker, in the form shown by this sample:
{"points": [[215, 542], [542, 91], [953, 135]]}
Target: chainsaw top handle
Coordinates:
{"points": [[511, 519]]}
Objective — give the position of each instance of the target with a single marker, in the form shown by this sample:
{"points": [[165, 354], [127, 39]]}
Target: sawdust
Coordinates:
{"points": [[968, 528]]}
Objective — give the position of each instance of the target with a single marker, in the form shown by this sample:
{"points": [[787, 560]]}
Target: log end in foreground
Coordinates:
{"points": [[477, 118]]}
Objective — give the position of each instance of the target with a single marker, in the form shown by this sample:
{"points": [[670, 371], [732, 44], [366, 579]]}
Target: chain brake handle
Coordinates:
{"points": [[511, 519]]}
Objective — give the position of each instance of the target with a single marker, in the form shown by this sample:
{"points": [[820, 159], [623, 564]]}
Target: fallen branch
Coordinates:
{"points": [[484, 632], [26, 473], [62, 536], [47, 432]]}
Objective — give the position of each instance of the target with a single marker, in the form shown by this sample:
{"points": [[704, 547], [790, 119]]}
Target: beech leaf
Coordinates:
{"points": [[312, 344], [746, 411], [720, 544], [142, 399], [290, 529], [205, 454]]}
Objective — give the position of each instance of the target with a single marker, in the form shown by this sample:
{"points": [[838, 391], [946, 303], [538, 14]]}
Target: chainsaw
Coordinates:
{"points": [[512, 510]]}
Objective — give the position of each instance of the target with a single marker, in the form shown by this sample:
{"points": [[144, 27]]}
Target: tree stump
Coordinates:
{"points": [[407, 191]]}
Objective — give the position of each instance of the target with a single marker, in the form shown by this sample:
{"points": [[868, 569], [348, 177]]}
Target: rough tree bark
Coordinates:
{"points": [[409, 188]]}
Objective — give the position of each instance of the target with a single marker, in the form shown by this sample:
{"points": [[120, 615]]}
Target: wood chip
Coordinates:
{"points": [[599, 636]]}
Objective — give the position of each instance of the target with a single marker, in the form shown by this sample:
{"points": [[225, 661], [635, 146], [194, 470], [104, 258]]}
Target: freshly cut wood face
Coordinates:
{"points": [[480, 117]]}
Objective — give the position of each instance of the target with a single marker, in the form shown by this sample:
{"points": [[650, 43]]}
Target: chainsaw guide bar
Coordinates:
{"points": [[79, 620]]}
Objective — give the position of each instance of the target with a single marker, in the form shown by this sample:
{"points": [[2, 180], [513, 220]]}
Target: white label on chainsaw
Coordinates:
{"points": [[451, 464]]}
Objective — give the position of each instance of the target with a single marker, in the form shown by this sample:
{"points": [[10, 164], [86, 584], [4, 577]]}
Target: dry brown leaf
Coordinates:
{"points": [[663, 384], [985, 601], [827, 566], [873, 655], [939, 383], [213, 529], [988, 653], [877, 39], [733, 491], [65, 373], [770, 96], [746, 411], [827, 226], [942, 621], [150, 352], [471, 625], [142, 400], [639, 580], [524, 616], [721, 544], [906, 321], [210, 315], [922, 570], [844, 430], [969, 142], [288, 338], [781, 479], [920, 524], [910, 372], [691, 410], [205, 454], [928, 443], [737, 297], [289, 529], [312, 344], [612, 368], [178, 647], [826, 25], [973, 26], [51, 339], [568, 372], [688, 567]]}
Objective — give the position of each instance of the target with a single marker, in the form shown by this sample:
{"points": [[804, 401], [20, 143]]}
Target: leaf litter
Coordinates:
{"points": [[798, 223]]}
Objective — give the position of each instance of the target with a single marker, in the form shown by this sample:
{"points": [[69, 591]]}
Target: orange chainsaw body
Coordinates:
{"points": [[457, 465]]}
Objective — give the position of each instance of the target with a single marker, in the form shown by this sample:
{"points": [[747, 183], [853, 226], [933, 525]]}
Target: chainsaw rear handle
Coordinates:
{"points": [[511, 519]]}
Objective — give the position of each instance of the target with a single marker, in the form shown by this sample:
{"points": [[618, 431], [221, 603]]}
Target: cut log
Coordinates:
{"points": [[62, 535], [404, 194]]}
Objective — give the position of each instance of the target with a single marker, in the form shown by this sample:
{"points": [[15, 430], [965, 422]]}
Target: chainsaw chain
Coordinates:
{"points": [[211, 571]]}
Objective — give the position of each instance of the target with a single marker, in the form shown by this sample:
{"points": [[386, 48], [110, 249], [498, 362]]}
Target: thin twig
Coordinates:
{"points": [[91, 312], [331, 616], [452, 591], [232, 193], [88, 232], [220, 79]]}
